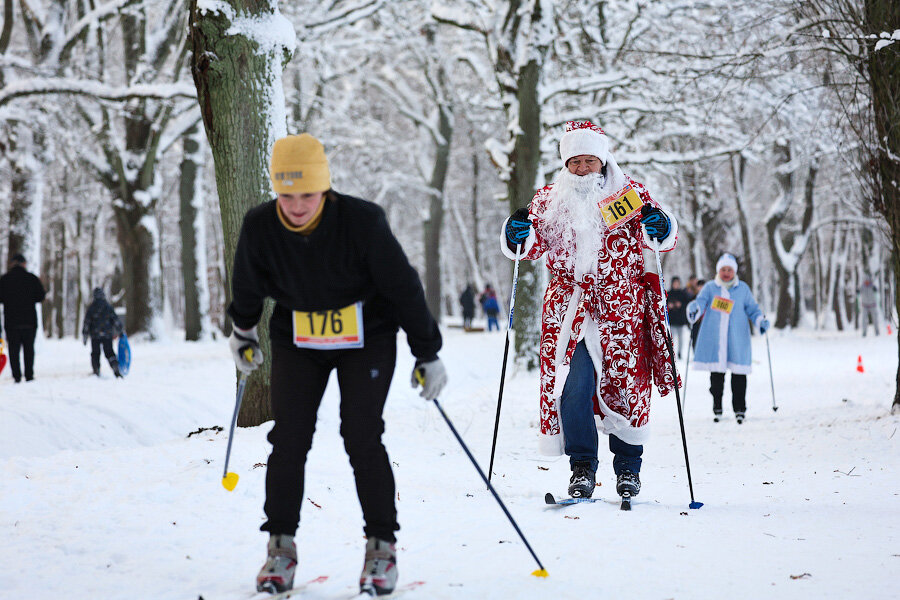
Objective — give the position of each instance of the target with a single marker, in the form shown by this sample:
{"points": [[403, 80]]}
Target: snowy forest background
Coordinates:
{"points": [[136, 133]]}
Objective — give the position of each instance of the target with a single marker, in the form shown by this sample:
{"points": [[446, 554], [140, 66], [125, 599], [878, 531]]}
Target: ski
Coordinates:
{"points": [[291, 593], [551, 499], [395, 594], [626, 501]]}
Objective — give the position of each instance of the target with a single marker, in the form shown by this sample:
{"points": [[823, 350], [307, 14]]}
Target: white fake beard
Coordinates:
{"points": [[573, 220]]}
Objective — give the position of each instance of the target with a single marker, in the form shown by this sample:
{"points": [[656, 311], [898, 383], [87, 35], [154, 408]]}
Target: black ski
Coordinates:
{"points": [[626, 501], [550, 499]]}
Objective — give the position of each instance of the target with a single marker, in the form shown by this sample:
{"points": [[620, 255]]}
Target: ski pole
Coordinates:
{"points": [[771, 380], [230, 480], [668, 336], [541, 572], [687, 368], [509, 326]]}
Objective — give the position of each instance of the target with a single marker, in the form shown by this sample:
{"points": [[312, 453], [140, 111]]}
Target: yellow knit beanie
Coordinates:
{"points": [[299, 165]]}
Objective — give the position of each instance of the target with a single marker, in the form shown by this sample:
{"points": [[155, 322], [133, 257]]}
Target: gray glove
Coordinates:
{"points": [[243, 342], [432, 376]]}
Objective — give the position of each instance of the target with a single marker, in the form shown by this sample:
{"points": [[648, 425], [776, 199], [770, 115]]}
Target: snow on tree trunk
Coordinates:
{"points": [[26, 203], [748, 269], [239, 52], [193, 240]]}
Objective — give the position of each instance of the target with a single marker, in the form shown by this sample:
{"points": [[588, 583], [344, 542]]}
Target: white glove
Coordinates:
{"points": [[693, 312], [432, 376], [242, 342]]}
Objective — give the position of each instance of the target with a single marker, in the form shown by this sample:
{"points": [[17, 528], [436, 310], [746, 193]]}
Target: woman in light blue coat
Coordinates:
{"points": [[727, 307]]}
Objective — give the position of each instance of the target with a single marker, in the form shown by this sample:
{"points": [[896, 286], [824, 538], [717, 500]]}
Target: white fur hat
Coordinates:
{"points": [[726, 260], [583, 137]]}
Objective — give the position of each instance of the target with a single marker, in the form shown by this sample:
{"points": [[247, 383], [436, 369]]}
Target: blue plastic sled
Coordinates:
{"points": [[124, 354]]}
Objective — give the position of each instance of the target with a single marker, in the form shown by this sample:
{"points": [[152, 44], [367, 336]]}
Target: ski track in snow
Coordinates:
{"points": [[103, 496]]}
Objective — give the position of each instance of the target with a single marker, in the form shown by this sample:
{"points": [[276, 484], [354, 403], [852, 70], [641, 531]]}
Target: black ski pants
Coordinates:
{"points": [[299, 377], [106, 343], [738, 392], [21, 339]]}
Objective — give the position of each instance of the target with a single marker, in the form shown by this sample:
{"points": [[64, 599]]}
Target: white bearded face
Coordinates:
{"points": [[573, 220]]}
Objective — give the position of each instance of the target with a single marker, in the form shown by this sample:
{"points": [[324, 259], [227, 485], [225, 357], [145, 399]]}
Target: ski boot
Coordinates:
{"points": [[583, 480], [628, 485], [740, 417], [277, 575], [717, 416], [379, 573]]}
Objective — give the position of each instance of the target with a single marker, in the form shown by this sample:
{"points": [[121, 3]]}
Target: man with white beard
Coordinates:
{"points": [[603, 325]]}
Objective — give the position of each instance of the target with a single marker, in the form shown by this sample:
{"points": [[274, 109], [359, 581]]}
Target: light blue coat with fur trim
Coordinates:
{"points": [[724, 339]]}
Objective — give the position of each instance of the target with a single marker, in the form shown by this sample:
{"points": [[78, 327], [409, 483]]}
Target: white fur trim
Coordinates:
{"points": [[718, 368], [551, 444], [529, 242], [584, 141]]}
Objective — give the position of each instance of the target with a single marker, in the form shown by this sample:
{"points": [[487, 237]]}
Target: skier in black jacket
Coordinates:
{"points": [[102, 325], [342, 285], [19, 292]]}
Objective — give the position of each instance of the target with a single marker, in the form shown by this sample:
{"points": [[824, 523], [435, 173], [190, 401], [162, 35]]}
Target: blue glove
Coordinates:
{"points": [[518, 227], [655, 222], [764, 325]]}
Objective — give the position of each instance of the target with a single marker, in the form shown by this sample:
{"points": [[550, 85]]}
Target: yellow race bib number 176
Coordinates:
{"points": [[331, 329]]}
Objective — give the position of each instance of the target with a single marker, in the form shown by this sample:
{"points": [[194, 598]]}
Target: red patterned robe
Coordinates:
{"points": [[617, 312]]}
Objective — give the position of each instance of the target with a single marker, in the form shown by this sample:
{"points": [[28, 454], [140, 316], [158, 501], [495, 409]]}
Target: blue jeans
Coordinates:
{"points": [[492, 323], [577, 415]]}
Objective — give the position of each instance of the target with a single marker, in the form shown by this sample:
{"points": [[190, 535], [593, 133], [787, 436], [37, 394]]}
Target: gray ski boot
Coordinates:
{"points": [[277, 575], [583, 480], [628, 483], [379, 574]]}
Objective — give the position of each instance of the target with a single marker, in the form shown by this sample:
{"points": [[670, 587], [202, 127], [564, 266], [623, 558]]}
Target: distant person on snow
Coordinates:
{"points": [[19, 292], [868, 306], [677, 300], [602, 331], [723, 343], [490, 306], [467, 301], [102, 325], [342, 285]]}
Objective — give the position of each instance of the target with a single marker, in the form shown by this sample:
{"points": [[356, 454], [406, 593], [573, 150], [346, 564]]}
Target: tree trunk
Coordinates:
{"points": [[241, 98], [525, 160], [192, 223], [434, 226], [26, 202], [748, 269], [884, 77], [136, 233]]}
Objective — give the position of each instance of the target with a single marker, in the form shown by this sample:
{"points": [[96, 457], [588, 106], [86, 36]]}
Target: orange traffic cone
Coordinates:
{"points": [[859, 365]]}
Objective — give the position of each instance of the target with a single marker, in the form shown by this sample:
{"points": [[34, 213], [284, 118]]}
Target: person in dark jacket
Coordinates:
{"points": [[342, 286], [677, 300], [102, 325], [19, 292], [467, 301]]}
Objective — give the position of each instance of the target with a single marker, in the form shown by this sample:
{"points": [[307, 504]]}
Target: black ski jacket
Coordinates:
{"points": [[19, 292], [101, 320], [350, 256]]}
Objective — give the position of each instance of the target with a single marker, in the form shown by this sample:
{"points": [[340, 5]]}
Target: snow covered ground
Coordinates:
{"points": [[102, 495]]}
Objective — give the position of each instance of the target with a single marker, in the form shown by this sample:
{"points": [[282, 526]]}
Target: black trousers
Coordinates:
{"points": [[738, 392], [299, 377], [21, 339], [107, 351]]}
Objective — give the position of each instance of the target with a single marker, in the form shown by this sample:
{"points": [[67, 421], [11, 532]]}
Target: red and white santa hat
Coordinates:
{"points": [[583, 137]]}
